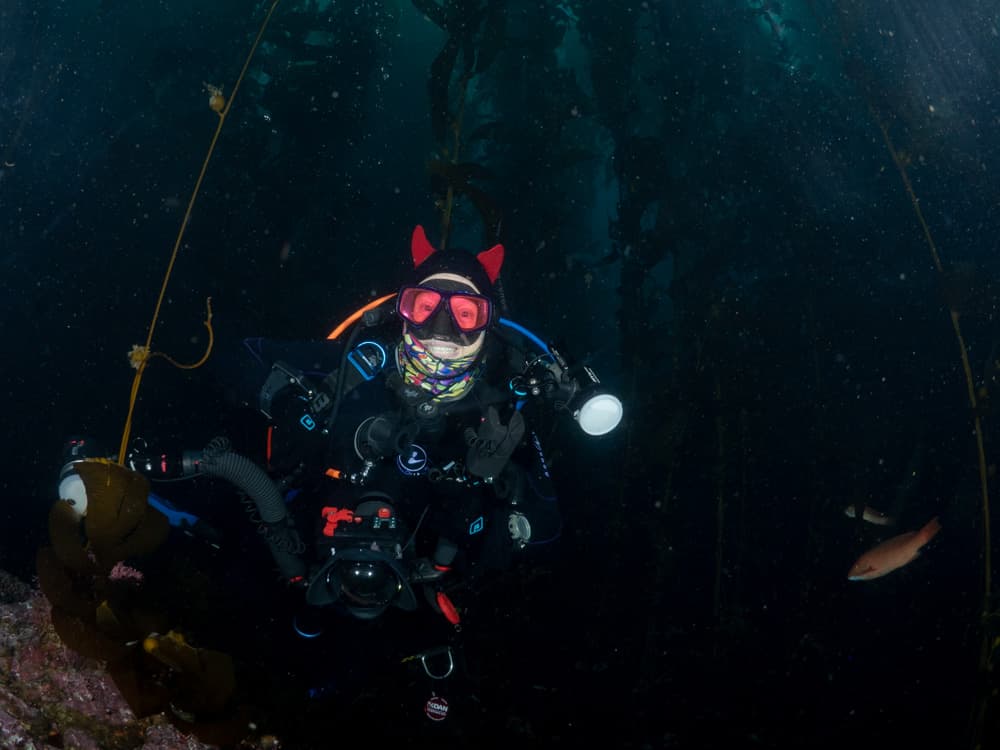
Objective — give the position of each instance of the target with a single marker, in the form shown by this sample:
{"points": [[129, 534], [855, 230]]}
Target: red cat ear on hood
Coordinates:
{"points": [[420, 247], [491, 260]]}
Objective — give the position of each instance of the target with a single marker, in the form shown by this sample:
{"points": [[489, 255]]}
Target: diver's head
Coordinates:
{"points": [[449, 306], [447, 312]]}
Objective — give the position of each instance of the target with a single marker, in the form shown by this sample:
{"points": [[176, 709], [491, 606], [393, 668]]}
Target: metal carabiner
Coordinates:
{"points": [[434, 652]]}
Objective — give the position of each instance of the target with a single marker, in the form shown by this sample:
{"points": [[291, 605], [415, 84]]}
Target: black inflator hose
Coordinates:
{"points": [[220, 461]]}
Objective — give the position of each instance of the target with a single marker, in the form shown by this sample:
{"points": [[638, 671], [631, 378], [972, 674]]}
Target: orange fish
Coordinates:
{"points": [[892, 553]]}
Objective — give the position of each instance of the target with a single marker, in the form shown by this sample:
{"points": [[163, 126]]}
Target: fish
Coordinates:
{"points": [[893, 553], [870, 515]]}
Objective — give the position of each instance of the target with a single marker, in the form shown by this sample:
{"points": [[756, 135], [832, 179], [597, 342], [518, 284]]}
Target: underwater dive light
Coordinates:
{"points": [[576, 388], [596, 410]]}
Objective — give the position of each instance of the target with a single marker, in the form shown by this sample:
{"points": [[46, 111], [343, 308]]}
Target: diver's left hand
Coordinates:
{"points": [[491, 446]]}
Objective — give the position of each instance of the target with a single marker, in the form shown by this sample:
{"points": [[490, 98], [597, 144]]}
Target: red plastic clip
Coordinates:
{"points": [[333, 516]]}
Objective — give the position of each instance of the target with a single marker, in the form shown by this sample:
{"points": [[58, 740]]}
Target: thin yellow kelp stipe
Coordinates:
{"points": [[140, 355], [966, 368], [988, 616]]}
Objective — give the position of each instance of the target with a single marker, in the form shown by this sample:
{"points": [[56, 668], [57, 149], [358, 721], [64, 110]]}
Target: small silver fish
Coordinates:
{"points": [[871, 515]]}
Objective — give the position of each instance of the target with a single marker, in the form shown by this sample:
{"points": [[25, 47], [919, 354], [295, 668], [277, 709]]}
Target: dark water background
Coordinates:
{"points": [[696, 198]]}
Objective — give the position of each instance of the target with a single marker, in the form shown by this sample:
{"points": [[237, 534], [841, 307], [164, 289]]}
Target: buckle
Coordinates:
{"points": [[368, 358], [281, 377]]}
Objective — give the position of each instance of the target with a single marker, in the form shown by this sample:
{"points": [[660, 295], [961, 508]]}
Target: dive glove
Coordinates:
{"points": [[491, 446]]}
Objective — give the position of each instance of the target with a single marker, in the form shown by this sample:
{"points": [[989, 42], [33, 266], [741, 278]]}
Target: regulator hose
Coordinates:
{"points": [[219, 460]]}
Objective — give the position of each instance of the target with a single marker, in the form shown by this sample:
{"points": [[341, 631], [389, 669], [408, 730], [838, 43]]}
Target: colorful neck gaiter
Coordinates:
{"points": [[446, 380]]}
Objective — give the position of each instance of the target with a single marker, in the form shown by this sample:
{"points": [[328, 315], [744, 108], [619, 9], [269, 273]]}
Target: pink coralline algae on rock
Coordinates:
{"points": [[52, 697], [125, 574]]}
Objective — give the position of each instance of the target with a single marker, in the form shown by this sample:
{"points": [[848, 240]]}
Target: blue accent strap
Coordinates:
{"points": [[177, 518]]}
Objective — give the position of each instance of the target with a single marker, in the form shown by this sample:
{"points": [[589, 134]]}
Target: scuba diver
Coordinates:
{"points": [[400, 457]]}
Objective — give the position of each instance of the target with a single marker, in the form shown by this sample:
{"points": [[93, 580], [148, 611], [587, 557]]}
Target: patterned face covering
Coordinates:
{"points": [[446, 380]]}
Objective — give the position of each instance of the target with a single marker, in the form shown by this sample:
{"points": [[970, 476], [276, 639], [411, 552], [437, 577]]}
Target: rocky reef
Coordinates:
{"points": [[52, 697]]}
